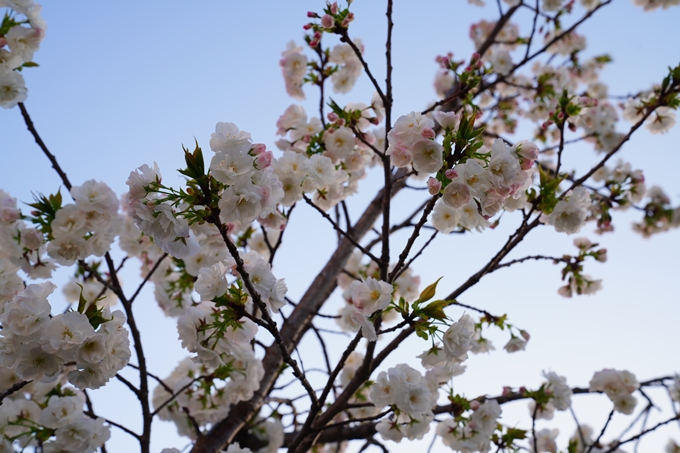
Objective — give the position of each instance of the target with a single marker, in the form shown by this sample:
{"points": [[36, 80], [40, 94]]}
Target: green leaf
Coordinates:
{"points": [[97, 320], [436, 309], [422, 330], [428, 293], [224, 371], [81, 300]]}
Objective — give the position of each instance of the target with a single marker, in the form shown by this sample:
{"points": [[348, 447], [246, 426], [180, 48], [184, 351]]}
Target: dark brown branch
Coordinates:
{"points": [[154, 377], [344, 37], [128, 384], [174, 395], [148, 276], [526, 258], [411, 240], [43, 147], [13, 389], [115, 286], [604, 428], [418, 253], [616, 445], [337, 228], [268, 323], [143, 393]]}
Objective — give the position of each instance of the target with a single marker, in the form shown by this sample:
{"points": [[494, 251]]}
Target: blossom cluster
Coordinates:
{"points": [[294, 67], [618, 386], [367, 297], [476, 190], [345, 68], [50, 415], [558, 395], [24, 30], [565, 97], [412, 395], [155, 217], [87, 227], [570, 214], [195, 326], [37, 346], [359, 294], [329, 160], [63, 234], [348, 67], [578, 282], [473, 433], [252, 189], [203, 394]]}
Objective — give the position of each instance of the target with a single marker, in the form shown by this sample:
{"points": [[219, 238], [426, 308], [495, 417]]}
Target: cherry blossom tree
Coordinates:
{"points": [[491, 150]]}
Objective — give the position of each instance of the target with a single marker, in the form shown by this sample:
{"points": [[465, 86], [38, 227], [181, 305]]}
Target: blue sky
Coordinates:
{"points": [[125, 83]]}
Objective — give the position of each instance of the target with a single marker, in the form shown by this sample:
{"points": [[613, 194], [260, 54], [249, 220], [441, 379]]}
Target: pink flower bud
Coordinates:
{"points": [[332, 116], [334, 8], [317, 35], [3, 41], [313, 43], [507, 391], [428, 133], [527, 150], [522, 389], [345, 22], [451, 173], [370, 138], [525, 335], [327, 21], [312, 14], [341, 122], [474, 405], [526, 164], [475, 57], [307, 26], [307, 139], [264, 160], [560, 116], [434, 186], [259, 148]]}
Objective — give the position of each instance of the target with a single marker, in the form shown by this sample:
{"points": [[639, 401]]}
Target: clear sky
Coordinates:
{"points": [[125, 83]]}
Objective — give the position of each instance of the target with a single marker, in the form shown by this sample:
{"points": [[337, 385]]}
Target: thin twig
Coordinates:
{"points": [[13, 389], [340, 230]]}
